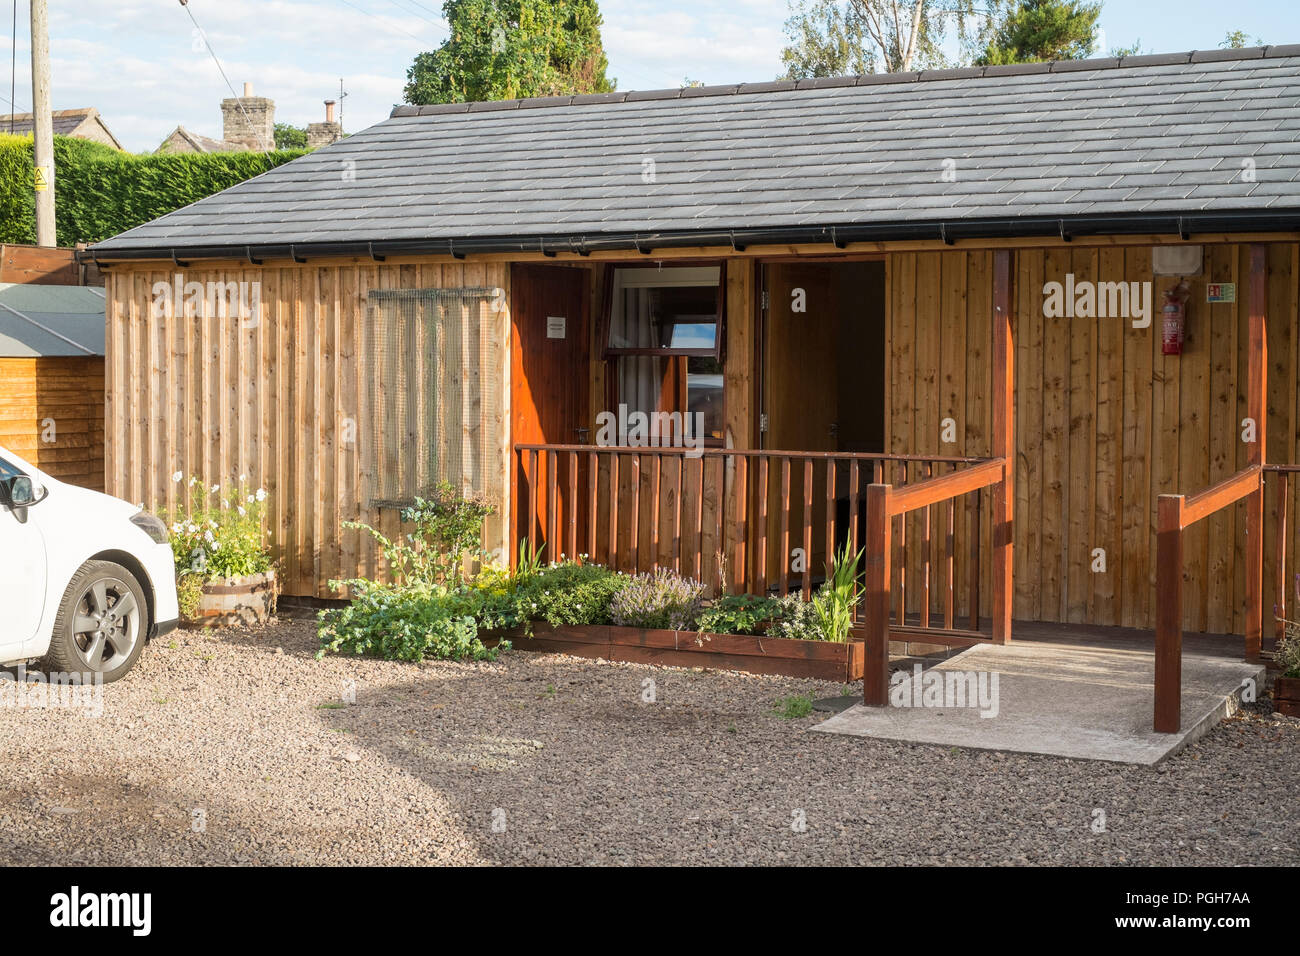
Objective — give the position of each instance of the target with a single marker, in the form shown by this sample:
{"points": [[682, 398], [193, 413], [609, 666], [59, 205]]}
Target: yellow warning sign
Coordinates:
{"points": [[42, 181]]}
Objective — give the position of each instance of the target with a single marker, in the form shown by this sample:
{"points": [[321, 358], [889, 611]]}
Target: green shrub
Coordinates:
{"points": [[448, 529], [101, 191], [406, 623], [740, 614], [662, 600], [796, 619]]}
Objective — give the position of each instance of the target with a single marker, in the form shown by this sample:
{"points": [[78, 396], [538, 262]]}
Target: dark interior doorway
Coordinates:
{"points": [[823, 373]]}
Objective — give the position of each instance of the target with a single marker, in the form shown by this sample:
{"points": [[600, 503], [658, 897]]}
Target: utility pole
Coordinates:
{"points": [[42, 125]]}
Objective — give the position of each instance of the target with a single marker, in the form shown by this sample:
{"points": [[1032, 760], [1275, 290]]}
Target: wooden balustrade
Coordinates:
{"points": [[887, 505], [733, 519], [1174, 515]]}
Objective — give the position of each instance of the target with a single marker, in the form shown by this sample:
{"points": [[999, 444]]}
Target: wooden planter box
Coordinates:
{"points": [[1286, 695], [232, 602], [821, 660]]}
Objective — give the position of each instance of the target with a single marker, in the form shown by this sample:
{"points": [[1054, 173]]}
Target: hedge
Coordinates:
{"points": [[100, 191]]}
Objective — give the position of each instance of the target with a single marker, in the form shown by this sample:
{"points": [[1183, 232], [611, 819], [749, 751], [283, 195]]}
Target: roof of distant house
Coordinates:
{"points": [[65, 123], [203, 144], [43, 321], [1111, 145]]}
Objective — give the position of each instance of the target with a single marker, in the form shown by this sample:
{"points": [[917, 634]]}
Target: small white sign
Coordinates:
{"points": [[555, 326]]}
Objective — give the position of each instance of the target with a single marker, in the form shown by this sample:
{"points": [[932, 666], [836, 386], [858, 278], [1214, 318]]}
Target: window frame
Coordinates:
{"points": [[718, 351]]}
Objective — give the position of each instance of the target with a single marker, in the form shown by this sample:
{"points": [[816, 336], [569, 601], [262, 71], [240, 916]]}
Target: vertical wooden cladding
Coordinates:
{"points": [[66, 393], [277, 400], [1105, 423]]}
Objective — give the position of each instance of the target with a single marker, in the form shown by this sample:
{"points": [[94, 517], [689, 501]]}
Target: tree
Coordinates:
{"points": [[288, 136], [1036, 31], [503, 49], [1237, 40], [829, 37]]}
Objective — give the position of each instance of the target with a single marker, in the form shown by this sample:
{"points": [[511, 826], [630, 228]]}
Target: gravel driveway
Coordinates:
{"points": [[238, 749]]}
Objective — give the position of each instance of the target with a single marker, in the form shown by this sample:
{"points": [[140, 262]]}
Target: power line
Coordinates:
{"points": [[229, 86], [413, 13], [382, 20]]}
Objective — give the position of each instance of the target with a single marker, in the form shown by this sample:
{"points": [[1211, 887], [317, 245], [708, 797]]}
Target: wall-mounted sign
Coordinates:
{"points": [[1221, 292], [555, 326]]}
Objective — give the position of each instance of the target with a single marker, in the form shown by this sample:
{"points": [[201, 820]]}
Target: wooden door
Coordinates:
{"points": [[549, 385]]}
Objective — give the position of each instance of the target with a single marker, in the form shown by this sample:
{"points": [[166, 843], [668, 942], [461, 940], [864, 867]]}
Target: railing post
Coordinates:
{"points": [[1279, 560], [1169, 614], [1004, 446], [1257, 409], [875, 682]]}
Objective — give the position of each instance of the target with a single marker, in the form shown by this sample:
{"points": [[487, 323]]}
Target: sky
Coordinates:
{"points": [[141, 64]]}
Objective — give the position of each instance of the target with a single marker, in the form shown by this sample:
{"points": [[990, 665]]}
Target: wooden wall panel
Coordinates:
{"points": [[52, 414], [277, 400], [1105, 423]]}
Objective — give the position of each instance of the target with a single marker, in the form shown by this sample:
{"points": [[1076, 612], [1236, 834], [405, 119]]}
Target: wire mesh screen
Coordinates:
{"points": [[432, 399]]}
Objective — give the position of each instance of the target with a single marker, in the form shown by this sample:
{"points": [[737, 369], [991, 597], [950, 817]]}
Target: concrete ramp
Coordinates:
{"points": [[1089, 702]]}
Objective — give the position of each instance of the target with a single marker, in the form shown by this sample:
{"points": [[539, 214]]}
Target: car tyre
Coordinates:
{"points": [[101, 625]]}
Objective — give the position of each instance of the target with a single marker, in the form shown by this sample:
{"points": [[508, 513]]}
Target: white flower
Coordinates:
{"points": [[177, 476], [241, 511], [261, 494], [193, 482], [251, 499], [243, 477], [215, 488], [207, 536]]}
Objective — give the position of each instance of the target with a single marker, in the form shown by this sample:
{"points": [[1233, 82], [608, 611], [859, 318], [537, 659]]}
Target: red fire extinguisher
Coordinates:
{"points": [[1175, 318]]}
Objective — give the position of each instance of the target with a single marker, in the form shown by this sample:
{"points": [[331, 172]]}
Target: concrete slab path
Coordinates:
{"points": [[1076, 699]]}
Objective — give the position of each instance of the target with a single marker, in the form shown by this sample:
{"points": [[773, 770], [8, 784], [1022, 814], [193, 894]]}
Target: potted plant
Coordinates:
{"points": [[224, 573], [1286, 687]]}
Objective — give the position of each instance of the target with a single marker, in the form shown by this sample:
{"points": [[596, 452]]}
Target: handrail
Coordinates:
{"points": [[1228, 492], [932, 491], [745, 453], [1174, 515], [884, 503]]}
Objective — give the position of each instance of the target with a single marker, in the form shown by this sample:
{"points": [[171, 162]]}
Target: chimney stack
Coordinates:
{"points": [[249, 121], [322, 134]]}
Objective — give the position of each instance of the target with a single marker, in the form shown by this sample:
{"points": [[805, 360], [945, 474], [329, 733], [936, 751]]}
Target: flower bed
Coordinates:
{"points": [[755, 654], [440, 606]]}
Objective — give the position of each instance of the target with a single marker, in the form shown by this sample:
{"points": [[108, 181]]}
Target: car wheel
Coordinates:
{"points": [[102, 623]]}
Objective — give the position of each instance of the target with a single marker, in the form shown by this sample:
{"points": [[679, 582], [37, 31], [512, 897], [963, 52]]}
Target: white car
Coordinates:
{"points": [[85, 579]]}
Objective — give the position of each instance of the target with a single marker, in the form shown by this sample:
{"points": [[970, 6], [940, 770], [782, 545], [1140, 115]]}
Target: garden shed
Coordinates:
{"points": [[852, 288], [52, 379]]}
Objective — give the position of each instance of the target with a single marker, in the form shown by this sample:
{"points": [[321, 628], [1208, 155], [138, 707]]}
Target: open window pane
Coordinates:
{"points": [[673, 311]]}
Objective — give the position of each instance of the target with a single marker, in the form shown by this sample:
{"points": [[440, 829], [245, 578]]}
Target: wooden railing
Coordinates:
{"points": [[885, 505], [1281, 475], [755, 522], [1174, 515]]}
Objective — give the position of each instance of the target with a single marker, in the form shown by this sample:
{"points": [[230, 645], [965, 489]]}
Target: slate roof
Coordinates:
{"points": [[1143, 136], [50, 320]]}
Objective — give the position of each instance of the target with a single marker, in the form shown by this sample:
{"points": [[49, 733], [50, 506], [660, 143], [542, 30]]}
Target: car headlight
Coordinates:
{"points": [[151, 525]]}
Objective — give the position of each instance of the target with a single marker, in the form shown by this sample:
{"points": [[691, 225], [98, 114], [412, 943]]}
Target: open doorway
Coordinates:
{"points": [[823, 373]]}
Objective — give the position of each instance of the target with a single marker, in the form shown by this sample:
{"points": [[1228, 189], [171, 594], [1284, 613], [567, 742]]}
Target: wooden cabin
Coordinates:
{"points": [[847, 287], [52, 378]]}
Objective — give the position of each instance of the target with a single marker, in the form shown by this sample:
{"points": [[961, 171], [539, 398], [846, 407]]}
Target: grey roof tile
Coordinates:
{"points": [[1152, 133]]}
